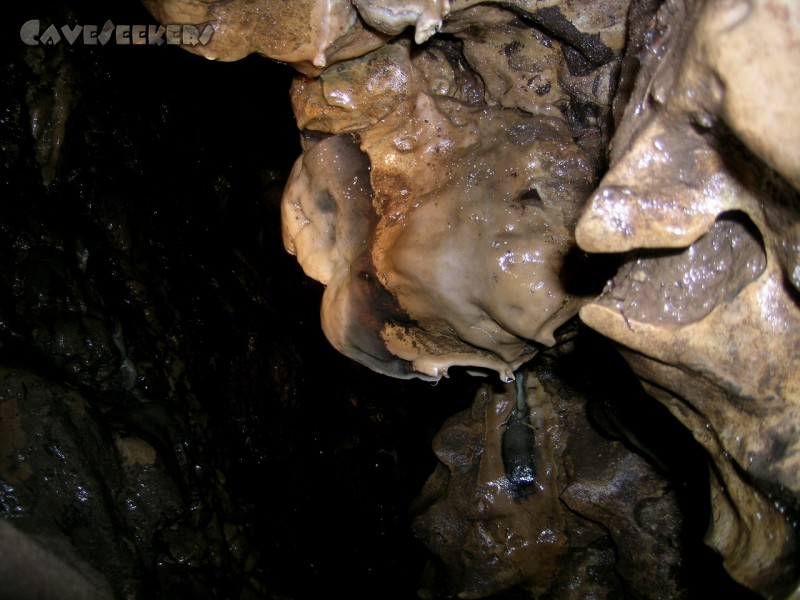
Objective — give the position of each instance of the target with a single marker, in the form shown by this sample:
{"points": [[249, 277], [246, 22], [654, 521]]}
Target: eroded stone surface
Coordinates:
{"points": [[678, 287], [582, 524], [688, 153]]}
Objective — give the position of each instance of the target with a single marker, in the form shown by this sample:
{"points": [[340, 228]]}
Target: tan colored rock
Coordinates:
{"points": [[308, 34], [356, 94], [530, 498], [450, 179], [713, 329], [478, 163], [752, 48], [472, 518]]}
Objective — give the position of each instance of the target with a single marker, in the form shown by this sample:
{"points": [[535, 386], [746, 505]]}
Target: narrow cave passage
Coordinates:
{"points": [[173, 423]]}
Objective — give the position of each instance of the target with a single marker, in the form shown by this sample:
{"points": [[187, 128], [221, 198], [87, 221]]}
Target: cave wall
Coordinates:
{"points": [[172, 421]]}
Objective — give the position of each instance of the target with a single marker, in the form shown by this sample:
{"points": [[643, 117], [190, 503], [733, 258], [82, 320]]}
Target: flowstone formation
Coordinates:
{"points": [[456, 185], [484, 143], [442, 176]]}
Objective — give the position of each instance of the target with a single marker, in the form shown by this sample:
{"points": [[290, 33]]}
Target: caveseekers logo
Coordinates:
{"points": [[154, 35]]}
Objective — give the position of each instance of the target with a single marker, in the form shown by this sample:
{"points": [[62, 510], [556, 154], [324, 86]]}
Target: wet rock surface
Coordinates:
{"points": [[172, 422], [562, 525], [681, 287], [601, 511], [687, 163], [483, 143]]}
